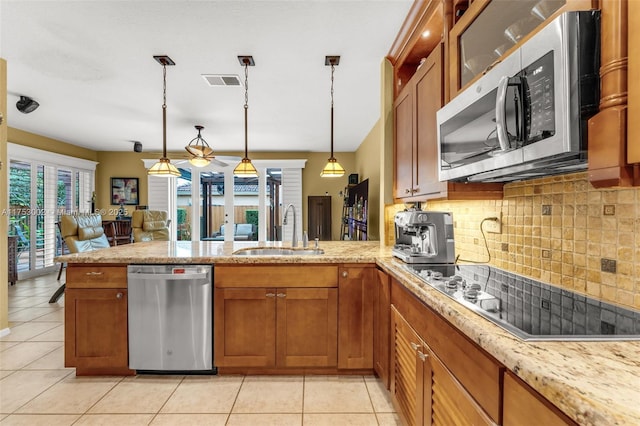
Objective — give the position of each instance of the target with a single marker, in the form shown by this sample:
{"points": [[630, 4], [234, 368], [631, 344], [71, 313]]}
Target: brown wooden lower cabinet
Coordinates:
{"points": [[96, 339], [355, 314], [381, 326], [423, 389], [473, 376], [523, 406], [276, 327]]}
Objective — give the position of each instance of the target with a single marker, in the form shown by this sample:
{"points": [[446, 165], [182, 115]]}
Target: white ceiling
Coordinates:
{"points": [[90, 66]]}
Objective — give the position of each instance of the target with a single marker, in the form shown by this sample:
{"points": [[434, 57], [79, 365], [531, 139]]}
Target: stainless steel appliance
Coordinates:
{"points": [[170, 318], [530, 309], [527, 115], [424, 237]]}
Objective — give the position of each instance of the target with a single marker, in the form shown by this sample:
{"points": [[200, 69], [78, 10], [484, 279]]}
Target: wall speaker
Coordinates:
{"points": [[26, 105], [353, 178], [137, 147]]}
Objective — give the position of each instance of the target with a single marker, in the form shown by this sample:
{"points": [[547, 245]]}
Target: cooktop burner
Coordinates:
{"points": [[530, 309]]}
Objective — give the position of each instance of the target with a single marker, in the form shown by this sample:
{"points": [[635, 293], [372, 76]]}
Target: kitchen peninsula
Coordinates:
{"points": [[593, 383]]}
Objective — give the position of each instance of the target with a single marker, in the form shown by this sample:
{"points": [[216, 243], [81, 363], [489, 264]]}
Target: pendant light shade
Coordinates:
{"points": [[164, 167], [201, 152], [246, 168], [332, 168]]}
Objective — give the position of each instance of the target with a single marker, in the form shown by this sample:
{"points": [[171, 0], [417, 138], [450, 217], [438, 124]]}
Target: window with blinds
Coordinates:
{"points": [[43, 186]]}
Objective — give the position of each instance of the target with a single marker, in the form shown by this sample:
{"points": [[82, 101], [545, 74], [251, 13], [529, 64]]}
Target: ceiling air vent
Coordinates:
{"points": [[222, 79]]}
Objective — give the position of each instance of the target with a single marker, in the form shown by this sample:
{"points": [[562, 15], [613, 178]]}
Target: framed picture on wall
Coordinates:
{"points": [[124, 191]]}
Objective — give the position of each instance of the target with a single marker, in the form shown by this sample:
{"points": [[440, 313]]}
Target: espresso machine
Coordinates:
{"points": [[424, 237]]}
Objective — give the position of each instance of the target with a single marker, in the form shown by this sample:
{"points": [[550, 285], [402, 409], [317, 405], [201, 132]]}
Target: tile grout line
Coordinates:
{"points": [[235, 400]]}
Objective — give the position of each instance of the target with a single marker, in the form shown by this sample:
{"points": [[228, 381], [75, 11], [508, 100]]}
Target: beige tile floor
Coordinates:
{"points": [[36, 389]]}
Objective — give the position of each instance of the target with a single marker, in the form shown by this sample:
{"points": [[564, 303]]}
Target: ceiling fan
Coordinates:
{"points": [[200, 151]]}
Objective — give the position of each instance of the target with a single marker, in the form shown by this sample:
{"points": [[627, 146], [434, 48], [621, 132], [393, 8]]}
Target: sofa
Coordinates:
{"points": [[241, 232]]}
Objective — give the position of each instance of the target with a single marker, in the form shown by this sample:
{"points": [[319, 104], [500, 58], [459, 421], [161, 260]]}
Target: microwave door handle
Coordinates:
{"points": [[501, 113]]}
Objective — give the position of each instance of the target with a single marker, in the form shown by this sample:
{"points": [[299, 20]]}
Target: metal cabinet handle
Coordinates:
{"points": [[423, 357], [407, 191], [119, 295], [281, 295], [415, 346], [345, 274], [270, 295], [93, 273]]}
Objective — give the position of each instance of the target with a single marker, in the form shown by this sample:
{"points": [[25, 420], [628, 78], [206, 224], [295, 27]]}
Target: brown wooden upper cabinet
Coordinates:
{"points": [[490, 29], [421, 90]]}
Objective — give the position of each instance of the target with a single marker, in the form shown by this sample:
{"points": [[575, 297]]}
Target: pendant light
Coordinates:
{"points": [[332, 168], [246, 168], [164, 167], [201, 152]]}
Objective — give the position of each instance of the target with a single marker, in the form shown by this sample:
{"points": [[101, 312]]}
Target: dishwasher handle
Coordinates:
{"points": [[156, 276]]}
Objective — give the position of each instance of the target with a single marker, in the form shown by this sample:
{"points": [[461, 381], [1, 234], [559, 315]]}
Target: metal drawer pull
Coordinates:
{"points": [[281, 295], [345, 274], [270, 295], [93, 273], [119, 295], [422, 356]]}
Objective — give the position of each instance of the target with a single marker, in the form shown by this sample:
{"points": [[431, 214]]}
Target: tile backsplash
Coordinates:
{"points": [[558, 229]]}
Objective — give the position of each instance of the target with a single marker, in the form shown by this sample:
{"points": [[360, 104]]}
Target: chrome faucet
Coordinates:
{"points": [[294, 238]]}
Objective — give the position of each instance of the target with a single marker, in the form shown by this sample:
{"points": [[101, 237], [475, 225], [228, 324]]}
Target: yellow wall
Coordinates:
{"points": [[4, 201], [368, 167]]}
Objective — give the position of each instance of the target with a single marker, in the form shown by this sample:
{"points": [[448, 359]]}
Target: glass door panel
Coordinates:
{"points": [[20, 211]]}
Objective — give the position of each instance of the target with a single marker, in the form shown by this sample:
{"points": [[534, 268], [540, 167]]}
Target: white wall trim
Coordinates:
{"points": [[5, 332], [26, 153]]}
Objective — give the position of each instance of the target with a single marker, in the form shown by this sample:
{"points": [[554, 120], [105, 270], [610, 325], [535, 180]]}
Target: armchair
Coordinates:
{"points": [[81, 233], [150, 225]]}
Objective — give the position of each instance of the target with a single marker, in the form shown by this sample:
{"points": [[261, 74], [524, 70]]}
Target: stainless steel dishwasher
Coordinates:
{"points": [[170, 318]]}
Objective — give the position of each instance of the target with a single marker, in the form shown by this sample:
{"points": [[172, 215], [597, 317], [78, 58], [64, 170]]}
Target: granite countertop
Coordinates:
{"points": [[222, 252], [594, 383]]}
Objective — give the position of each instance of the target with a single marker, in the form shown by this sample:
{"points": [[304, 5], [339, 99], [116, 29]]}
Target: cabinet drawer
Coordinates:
{"points": [[275, 276], [96, 276]]}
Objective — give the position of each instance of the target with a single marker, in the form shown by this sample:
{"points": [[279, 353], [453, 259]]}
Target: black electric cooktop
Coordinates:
{"points": [[530, 309]]}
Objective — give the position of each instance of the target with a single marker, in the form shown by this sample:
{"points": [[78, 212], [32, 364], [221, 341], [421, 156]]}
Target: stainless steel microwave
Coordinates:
{"points": [[527, 115]]}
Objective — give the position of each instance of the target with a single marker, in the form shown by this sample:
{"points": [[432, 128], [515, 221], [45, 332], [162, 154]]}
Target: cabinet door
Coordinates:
{"points": [[448, 401], [355, 338], [428, 100], [381, 326], [96, 340], [245, 327], [524, 406], [307, 327], [404, 142], [404, 375]]}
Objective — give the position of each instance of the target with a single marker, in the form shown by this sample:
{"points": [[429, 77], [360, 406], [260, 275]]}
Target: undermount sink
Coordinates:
{"points": [[278, 251]]}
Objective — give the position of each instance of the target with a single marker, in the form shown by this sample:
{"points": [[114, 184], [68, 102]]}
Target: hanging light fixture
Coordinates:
{"points": [[332, 168], [201, 152], [246, 168], [164, 167]]}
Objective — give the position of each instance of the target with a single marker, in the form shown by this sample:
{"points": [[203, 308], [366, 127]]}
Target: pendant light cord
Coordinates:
{"points": [[246, 107], [164, 110], [332, 70]]}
